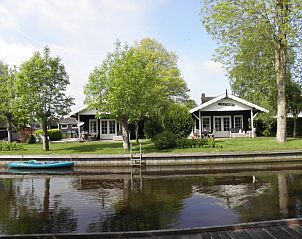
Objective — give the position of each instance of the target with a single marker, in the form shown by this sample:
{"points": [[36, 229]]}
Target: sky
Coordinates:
{"points": [[82, 33]]}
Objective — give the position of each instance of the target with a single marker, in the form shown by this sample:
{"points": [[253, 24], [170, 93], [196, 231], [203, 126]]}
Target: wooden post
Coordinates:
{"points": [[199, 124], [79, 127], [252, 123]]}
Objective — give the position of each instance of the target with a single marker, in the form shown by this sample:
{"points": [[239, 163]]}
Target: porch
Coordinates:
{"points": [[225, 116]]}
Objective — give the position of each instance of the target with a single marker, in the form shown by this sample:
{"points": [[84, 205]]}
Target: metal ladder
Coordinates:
{"points": [[134, 160]]}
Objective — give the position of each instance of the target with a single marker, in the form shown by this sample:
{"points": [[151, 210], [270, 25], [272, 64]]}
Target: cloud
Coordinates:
{"points": [[14, 53], [203, 77], [7, 20], [212, 68]]}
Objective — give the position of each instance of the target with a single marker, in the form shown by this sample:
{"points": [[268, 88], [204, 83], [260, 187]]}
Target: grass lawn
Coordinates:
{"points": [[110, 147]]}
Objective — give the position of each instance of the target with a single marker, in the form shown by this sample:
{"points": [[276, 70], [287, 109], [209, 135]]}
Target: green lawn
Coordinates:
{"points": [[109, 147]]}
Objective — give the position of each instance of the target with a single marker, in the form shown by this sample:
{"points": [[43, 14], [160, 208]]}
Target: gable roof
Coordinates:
{"points": [[230, 96], [77, 110], [68, 120]]}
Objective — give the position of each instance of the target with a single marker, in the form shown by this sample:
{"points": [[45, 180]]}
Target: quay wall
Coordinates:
{"points": [[163, 159]]}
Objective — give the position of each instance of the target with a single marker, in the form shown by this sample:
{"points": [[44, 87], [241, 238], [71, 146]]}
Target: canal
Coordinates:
{"points": [[124, 199]]}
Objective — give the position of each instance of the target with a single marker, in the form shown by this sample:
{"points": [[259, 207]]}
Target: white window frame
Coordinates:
{"points": [[74, 127], [64, 126], [96, 123], [108, 135], [239, 116], [221, 122], [206, 117]]}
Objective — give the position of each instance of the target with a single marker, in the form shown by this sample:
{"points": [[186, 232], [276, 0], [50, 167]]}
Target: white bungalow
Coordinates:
{"points": [[225, 116], [98, 128]]}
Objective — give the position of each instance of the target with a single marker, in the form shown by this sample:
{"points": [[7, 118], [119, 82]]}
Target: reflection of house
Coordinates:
{"points": [[105, 128], [225, 116], [232, 191]]}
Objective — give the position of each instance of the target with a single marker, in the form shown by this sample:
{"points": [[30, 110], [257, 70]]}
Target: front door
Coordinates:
{"points": [[222, 125], [108, 129]]}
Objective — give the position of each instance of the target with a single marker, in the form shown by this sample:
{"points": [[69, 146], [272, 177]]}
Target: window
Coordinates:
{"points": [[226, 124], [222, 123], [112, 127], [74, 126], [64, 126], [93, 127], [206, 124], [238, 121], [104, 127], [217, 124]]}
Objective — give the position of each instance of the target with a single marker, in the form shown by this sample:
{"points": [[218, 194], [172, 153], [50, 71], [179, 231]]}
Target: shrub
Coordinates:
{"points": [[32, 139], [53, 134], [152, 127], [7, 146], [178, 120], [194, 143], [165, 140]]}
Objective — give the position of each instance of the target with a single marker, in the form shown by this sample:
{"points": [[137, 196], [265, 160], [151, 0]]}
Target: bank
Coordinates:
{"points": [[164, 159]]}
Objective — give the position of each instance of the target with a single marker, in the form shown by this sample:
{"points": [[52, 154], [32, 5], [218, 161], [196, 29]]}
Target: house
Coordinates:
{"points": [[225, 116], [69, 127], [87, 123]]}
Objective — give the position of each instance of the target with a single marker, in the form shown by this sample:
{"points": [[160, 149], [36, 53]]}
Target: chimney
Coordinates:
{"points": [[203, 97]]}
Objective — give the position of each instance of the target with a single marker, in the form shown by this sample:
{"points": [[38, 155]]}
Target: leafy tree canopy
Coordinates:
{"points": [[43, 81], [134, 82], [259, 44]]}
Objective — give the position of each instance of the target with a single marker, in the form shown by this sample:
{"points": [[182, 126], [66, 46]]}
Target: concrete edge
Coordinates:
{"points": [[151, 233], [164, 159]]}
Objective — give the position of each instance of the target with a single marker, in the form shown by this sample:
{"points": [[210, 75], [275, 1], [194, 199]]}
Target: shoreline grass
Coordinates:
{"points": [[111, 147]]}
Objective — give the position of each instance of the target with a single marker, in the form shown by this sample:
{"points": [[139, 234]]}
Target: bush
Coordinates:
{"points": [[165, 140], [194, 143], [152, 127], [53, 134], [7, 146], [32, 139], [178, 120]]}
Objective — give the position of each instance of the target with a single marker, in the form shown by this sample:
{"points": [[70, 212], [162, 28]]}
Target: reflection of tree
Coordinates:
{"points": [[294, 183], [25, 214], [283, 194], [155, 207]]}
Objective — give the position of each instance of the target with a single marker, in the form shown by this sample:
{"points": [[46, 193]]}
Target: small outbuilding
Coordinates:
{"points": [[225, 116]]}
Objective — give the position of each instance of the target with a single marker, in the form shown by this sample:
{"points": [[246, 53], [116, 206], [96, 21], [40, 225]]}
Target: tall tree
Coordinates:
{"points": [[294, 102], [272, 24], [133, 82], [43, 81], [10, 110]]}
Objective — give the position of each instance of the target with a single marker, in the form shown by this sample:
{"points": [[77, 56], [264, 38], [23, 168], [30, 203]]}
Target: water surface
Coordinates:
{"points": [[139, 200]]}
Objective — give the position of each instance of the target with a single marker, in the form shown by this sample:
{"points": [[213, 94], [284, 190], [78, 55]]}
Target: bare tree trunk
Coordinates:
{"points": [[280, 66], [9, 130], [45, 134], [295, 118], [136, 131], [125, 133]]}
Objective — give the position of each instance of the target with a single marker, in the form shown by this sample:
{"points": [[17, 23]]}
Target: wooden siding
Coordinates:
{"points": [[245, 113]]}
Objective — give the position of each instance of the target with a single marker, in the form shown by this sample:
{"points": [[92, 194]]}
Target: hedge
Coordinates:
{"points": [[53, 134]]}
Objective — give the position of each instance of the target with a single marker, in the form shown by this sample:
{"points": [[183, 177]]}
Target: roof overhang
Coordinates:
{"points": [[228, 96]]}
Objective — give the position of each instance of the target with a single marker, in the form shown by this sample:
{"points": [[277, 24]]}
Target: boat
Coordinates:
{"points": [[41, 165]]}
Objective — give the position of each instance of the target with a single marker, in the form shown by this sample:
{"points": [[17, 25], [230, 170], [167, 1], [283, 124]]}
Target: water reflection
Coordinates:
{"points": [[142, 201]]}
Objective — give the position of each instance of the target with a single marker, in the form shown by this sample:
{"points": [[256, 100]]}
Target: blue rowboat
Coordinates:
{"points": [[41, 165]]}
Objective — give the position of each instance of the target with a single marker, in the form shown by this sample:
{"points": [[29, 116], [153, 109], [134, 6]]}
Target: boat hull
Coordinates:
{"points": [[38, 165]]}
